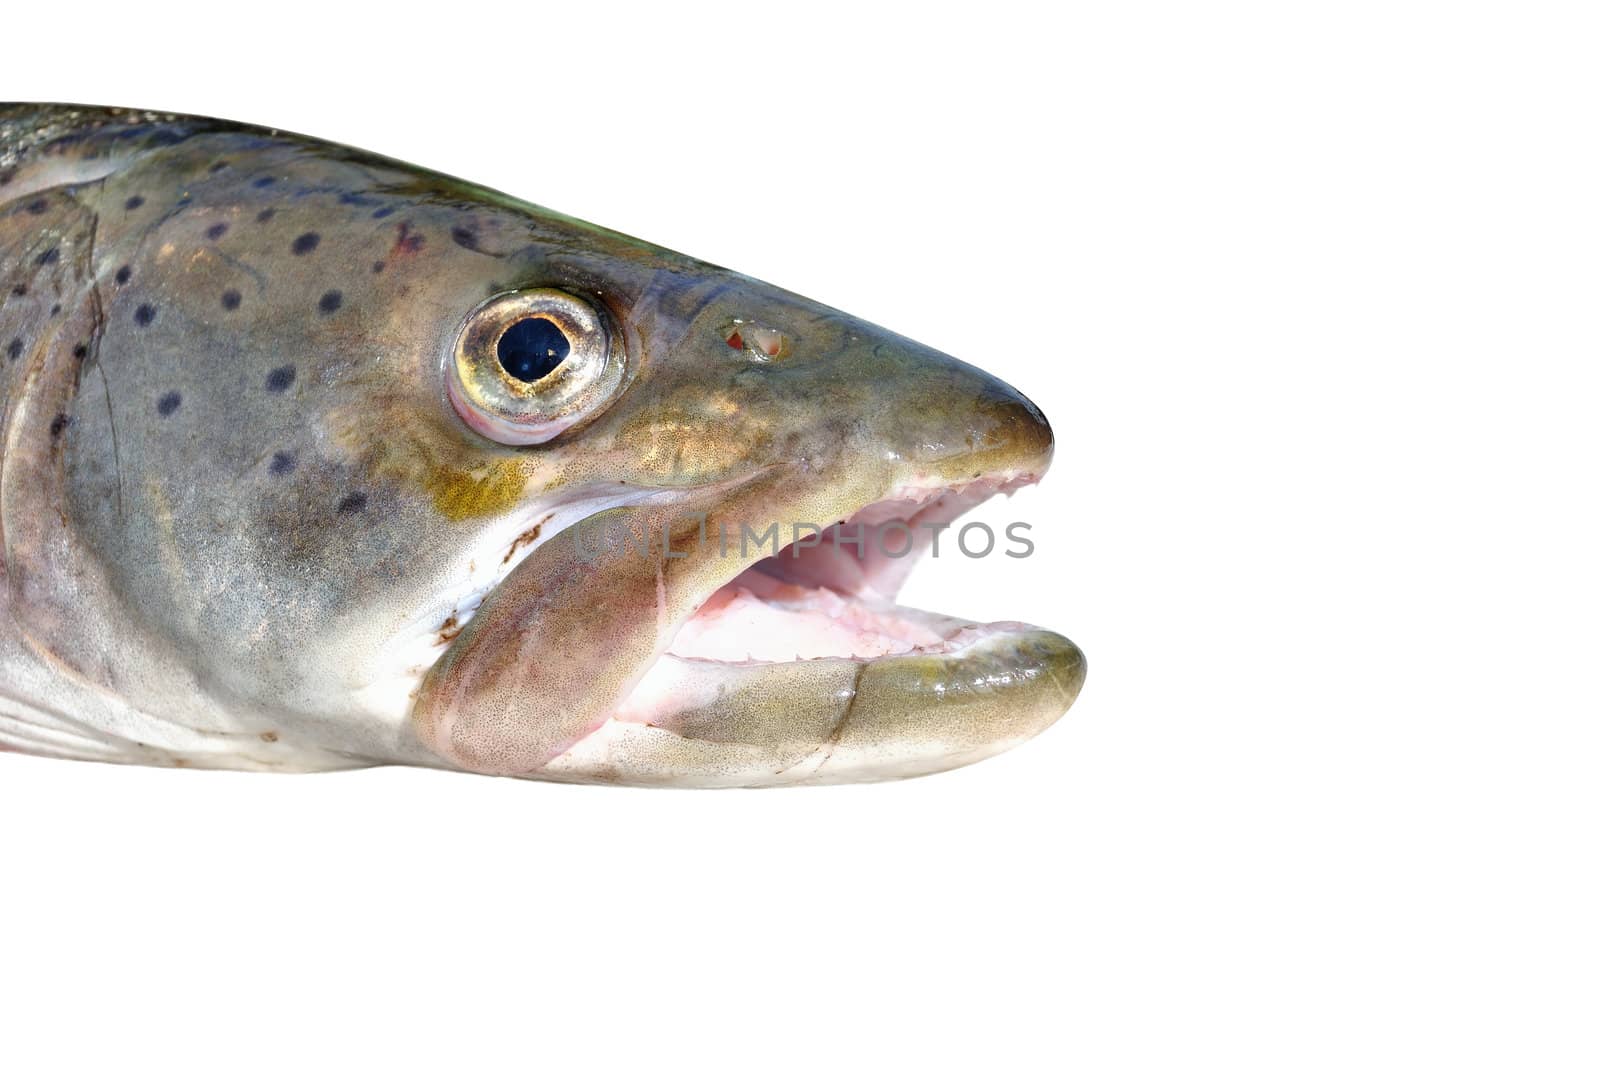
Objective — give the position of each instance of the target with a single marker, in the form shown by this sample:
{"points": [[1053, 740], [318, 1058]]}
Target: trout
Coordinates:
{"points": [[314, 460]]}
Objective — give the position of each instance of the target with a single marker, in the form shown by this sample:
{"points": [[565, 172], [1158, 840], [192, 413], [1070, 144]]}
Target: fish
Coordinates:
{"points": [[311, 459]]}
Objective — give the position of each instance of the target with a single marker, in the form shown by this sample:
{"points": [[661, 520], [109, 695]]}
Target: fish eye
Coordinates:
{"points": [[529, 364]]}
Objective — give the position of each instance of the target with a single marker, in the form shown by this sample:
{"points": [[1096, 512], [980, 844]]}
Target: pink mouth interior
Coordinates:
{"points": [[829, 597]]}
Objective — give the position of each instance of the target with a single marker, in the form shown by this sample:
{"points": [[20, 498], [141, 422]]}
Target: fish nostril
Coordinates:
{"points": [[760, 342]]}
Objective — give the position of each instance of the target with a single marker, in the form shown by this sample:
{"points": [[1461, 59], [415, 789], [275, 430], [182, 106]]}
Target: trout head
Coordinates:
{"points": [[403, 470]]}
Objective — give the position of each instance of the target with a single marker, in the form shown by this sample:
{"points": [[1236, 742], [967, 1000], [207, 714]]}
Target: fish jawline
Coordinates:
{"points": [[795, 621]]}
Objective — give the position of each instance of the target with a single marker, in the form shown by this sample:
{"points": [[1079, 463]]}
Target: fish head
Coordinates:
{"points": [[431, 475]]}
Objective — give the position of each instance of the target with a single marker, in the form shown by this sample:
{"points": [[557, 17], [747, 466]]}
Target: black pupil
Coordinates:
{"points": [[532, 348]]}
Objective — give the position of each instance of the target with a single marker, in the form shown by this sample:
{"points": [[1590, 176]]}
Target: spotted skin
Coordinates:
{"points": [[244, 528]]}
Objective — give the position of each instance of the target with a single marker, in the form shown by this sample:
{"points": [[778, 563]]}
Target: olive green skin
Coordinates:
{"points": [[176, 591]]}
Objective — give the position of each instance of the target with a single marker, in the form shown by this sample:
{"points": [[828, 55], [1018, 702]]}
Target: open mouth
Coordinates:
{"points": [[804, 669], [831, 594]]}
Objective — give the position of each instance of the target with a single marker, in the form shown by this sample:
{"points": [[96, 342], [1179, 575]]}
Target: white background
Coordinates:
{"points": [[1309, 295]]}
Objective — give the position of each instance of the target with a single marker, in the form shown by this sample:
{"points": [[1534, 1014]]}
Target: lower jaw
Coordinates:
{"points": [[698, 723]]}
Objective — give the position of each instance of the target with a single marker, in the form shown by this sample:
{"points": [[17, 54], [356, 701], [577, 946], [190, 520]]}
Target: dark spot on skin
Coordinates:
{"points": [[216, 230], [144, 315], [377, 266], [218, 166], [39, 207], [264, 181], [7, 175], [384, 212], [464, 237], [81, 350], [283, 463], [49, 256], [165, 137], [133, 202], [59, 424], [55, 310], [523, 540], [269, 737], [14, 350], [305, 243], [19, 290], [448, 631], [329, 303], [279, 379], [349, 198], [231, 299], [124, 273], [169, 403], [407, 241], [353, 503], [265, 214]]}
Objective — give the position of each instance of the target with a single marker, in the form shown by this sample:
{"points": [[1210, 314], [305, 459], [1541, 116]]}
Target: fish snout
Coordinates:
{"points": [[952, 421]]}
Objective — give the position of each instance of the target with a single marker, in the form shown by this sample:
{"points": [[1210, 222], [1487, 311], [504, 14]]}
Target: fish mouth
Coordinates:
{"points": [[734, 644], [803, 668], [832, 593]]}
